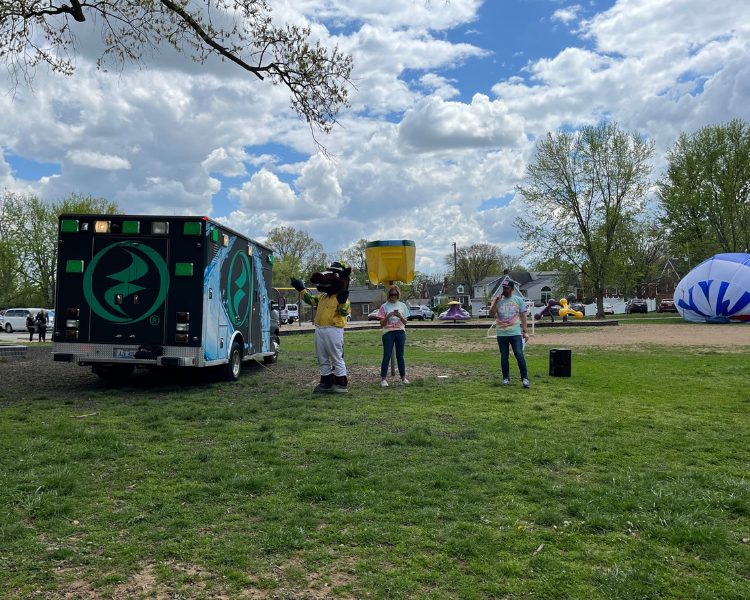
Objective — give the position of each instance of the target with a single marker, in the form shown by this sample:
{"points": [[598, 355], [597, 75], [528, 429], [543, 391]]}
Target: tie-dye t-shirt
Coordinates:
{"points": [[394, 323], [508, 318]]}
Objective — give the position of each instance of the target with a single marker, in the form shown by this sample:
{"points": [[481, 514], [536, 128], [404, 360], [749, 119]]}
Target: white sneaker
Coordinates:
{"points": [[506, 381], [405, 381], [526, 383], [383, 383]]}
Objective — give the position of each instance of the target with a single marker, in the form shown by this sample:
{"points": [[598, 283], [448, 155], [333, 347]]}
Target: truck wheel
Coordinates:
{"points": [[234, 365], [269, 360], [113, 373]]}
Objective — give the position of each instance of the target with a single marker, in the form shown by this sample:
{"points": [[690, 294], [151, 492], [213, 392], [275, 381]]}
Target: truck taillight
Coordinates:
{"points": [[183, 317], [72, 323], [181, 338], [102, 226], [182, 327]]}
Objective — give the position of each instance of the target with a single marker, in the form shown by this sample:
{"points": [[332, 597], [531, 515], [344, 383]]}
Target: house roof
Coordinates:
{"points": [[370, 296], [489, 280]]}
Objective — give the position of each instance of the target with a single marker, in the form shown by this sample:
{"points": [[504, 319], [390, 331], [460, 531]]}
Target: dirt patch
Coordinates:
{"points": [[718, 337], [193, 581], [722, 338]]}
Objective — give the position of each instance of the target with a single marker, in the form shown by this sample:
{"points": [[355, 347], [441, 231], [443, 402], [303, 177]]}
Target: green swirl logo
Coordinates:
{"points": [[240, 281], [128, 268]]}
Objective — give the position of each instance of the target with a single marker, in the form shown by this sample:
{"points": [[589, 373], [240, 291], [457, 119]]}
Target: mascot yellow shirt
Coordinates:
{"points": [[329, 312]]}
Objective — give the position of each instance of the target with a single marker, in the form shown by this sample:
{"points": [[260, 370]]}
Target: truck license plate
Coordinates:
{"points": [[124, 353]]}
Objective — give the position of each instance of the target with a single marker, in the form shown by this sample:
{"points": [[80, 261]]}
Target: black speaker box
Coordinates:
{"points": [[559, 362]]}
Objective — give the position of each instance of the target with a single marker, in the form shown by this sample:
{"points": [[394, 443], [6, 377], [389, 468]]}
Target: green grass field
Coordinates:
{"points": [[628, 480]]}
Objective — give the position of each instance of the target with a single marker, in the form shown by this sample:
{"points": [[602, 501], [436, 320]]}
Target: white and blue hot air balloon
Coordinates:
{"points": [[716, 291]]}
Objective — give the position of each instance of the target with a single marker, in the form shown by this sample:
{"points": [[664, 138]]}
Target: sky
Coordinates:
{"points": [[449, 99]]}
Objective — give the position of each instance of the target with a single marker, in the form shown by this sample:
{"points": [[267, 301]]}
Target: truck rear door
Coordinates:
{"points": [[126, 288]]}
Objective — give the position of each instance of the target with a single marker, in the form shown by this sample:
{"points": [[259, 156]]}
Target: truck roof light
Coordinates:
{"points": [[192, 228], [131, 227], [69, 226], [101, 226], [160, 227]]}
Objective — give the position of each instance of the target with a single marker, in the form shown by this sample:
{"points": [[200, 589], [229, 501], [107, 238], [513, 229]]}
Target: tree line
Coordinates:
{"points": [[594, 212]]}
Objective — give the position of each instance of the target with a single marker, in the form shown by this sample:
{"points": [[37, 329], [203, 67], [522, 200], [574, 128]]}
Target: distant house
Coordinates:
{"points": [[535, 285], [448, 292], [364, 300]]}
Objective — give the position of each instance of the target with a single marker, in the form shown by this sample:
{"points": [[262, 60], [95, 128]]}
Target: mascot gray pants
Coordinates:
{"points": [[329, 346]]}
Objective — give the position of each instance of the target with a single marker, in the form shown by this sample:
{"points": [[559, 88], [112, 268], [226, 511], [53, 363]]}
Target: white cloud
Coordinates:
{"points": [[265, 191], [437, 125], [97, 160], [567, 15], [226, 162]]}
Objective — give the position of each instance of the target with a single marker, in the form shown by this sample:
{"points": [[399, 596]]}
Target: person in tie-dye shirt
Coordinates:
{"points": [[510, 321]]}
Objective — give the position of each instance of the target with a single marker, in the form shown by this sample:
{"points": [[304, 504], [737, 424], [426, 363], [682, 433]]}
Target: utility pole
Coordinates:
{"points": [[455, 265]]}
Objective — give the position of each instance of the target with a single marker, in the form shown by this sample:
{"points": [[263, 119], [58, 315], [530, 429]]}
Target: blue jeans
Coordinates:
{"points": [[516, 342], [390, 339]]}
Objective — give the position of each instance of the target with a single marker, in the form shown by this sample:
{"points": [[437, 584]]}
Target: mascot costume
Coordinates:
{"points": [[333, 307]]}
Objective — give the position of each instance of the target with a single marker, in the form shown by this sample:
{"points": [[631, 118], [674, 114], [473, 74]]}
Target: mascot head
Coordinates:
{"points": [[333, 280]]}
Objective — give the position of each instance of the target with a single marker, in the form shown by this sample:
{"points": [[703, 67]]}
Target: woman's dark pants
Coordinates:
{"points": [[390, 339], [516, 342]]}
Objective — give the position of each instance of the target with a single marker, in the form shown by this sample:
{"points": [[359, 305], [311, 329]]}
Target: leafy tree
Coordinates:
{"points": [[296, 253], [581, 188], [355, 256], [34, 32], [640, 258], [705, 194], [28, 227], [474, 263]]}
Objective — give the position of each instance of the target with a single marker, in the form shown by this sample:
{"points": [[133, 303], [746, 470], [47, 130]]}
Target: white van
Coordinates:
{"points": [[289, 314], [14, 319]]}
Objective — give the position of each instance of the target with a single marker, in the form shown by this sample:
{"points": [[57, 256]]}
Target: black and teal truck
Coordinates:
{"points": [[143, 291]]}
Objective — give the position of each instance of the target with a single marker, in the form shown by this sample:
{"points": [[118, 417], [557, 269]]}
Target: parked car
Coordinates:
{"points": [[373, 315], [666, 306], [289, 314], [14, 319], [484, 311], [636, 305], [420, 313], [415, 312], [608, 309]]}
